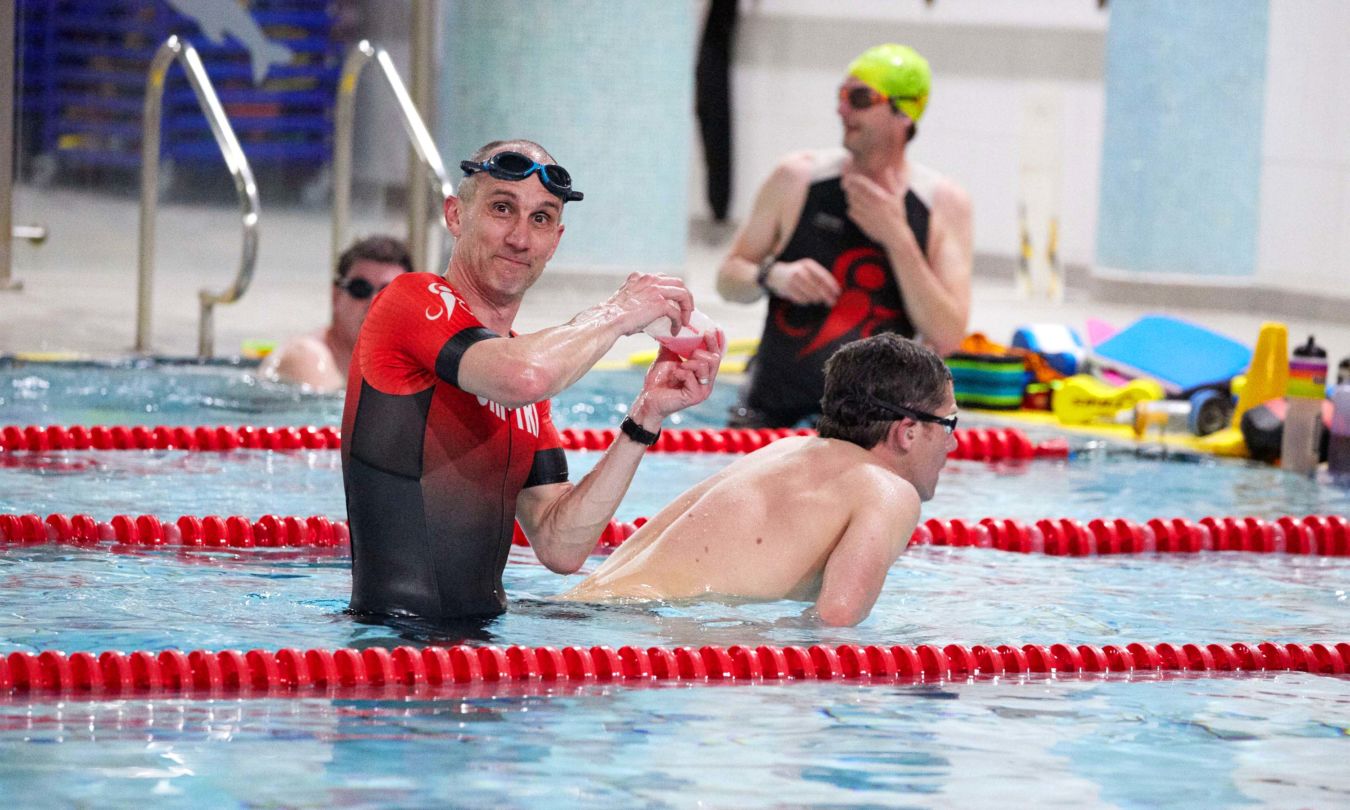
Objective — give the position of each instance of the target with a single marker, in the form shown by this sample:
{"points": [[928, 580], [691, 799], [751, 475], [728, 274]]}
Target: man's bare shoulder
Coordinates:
{"points": [[303, 360], [855, 474], [885, 488], [939, 192], [807, 166]]}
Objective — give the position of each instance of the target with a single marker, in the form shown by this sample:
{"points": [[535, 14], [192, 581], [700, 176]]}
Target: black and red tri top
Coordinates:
{"points": [[432, 471]]}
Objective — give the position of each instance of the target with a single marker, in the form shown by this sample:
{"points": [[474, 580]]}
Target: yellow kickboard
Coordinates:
{"points": [[1083, 399]]}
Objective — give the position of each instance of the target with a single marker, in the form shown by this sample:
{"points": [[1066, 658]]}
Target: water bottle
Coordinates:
{"points": [[1338, 455], [1167, 415], [1303, 412]]}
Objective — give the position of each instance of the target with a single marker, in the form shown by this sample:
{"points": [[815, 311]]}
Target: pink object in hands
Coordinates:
{"points": [[689, 339]]}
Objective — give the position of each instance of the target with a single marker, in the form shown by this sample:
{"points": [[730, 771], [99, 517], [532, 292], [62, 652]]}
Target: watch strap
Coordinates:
{"points": [[637, 432], [762, 272]]}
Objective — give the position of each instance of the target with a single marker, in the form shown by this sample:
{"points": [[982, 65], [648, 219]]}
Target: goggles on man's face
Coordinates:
{"points": [[948, 422], [357, 288], [862, 97], [514, 166]]}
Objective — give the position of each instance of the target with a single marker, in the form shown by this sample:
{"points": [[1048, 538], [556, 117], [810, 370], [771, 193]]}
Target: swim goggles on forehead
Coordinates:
{"points": [[515, 166], [357, 288], [948, 422], [863, 97]]}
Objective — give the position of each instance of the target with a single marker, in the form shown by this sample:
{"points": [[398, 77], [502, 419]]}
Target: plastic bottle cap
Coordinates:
{"points": [[1310, 349]]}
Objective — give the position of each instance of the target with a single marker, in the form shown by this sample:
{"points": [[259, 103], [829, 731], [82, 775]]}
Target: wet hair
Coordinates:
{"points": [[887, 367], [382, 249], [469, 185]]}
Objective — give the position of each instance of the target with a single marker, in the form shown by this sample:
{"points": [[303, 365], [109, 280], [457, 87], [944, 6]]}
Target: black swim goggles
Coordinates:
{"points": [[357, 288], [515, 166], [948, 422]]}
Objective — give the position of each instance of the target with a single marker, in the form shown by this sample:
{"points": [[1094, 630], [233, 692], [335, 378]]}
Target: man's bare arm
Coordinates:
{"points": [[936, 287], [563, 521], [877, 532], [762, 235], [528, 368]]}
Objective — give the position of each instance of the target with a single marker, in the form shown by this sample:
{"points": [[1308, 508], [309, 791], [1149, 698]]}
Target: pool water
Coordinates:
{"points": [[1140, 741], [75, 599], [1150, 742], [146, 392]]}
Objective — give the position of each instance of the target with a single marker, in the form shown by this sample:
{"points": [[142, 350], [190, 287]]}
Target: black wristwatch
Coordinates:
{"points": [[637, 432], [762, 274]]}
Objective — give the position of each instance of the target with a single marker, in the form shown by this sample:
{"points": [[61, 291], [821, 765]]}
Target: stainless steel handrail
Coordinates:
{"points": [[174, 48], [360, 54], [7, 280]]}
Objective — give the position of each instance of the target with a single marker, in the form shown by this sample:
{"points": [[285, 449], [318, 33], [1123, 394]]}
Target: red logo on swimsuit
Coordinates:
{"points": [[861, 273]]}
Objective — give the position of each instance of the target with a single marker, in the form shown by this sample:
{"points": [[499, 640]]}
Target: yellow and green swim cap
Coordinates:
{"points": [[897, 72]]}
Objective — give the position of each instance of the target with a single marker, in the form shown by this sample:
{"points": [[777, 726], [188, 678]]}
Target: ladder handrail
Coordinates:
{"points": [[235, 160], [360, 54], [7, 280]]}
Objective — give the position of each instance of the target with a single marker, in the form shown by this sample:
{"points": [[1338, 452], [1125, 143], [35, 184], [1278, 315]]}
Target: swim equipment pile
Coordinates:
{"points": [[983, 444], [289, 670], [1326, 535]]}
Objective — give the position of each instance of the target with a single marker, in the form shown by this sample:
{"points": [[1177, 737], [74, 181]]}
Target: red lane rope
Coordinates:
{"points": [[981, 444], [188, 531], [1327, 535], [288, 670]]}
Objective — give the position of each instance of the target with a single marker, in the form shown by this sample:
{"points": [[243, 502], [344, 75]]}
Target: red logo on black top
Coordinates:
{"points": [[861, 273]]}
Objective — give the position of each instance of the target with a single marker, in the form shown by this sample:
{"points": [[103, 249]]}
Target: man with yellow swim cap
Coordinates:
{"points": [[851, 242]]}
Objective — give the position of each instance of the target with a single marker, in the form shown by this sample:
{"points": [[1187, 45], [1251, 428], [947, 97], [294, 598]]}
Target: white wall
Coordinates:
{"points": [[1304, 239], [989, 59]]}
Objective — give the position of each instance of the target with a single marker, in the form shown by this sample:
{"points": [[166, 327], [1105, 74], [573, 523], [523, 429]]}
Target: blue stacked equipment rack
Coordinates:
{"points": [[88, 65]]}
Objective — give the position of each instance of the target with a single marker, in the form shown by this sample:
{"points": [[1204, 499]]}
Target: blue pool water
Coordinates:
{"points": [[1145, 741], [144, 392]]}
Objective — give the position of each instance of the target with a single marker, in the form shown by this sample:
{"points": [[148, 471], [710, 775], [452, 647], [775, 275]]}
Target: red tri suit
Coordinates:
{"points": [[432, 471]]}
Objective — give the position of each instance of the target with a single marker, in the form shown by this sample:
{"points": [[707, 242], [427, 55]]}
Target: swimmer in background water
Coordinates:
{"points": [[320, 360], [809, 518]]}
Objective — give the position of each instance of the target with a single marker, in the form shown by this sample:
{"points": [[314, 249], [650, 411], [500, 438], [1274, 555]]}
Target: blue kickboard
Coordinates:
{"points": [[1180, 355]]}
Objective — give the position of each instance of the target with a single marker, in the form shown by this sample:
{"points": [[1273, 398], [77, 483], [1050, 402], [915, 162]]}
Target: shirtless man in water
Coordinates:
{"points": [[807, 518]]}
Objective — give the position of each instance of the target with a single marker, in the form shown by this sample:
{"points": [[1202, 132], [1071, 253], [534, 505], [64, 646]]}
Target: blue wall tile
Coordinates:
{"points": [[1181, 155], [607, 88]]}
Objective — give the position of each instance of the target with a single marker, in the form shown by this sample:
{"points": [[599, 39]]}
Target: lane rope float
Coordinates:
{"points": [[293, 671], [978, 444], [1325, 535]]}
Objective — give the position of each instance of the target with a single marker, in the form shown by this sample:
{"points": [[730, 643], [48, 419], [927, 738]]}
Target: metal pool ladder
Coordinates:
{"points": [[360, 54], [244, 184]]}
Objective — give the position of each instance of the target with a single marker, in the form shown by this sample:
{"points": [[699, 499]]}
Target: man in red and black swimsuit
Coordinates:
{"points": [[447, 433]]}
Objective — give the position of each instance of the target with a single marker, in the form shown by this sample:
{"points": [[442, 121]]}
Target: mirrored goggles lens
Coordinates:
{"points": [[860, 98]]}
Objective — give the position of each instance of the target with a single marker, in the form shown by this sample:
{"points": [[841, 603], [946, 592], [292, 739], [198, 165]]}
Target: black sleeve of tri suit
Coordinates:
{"points": [[550, 467], [447, 362]]}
